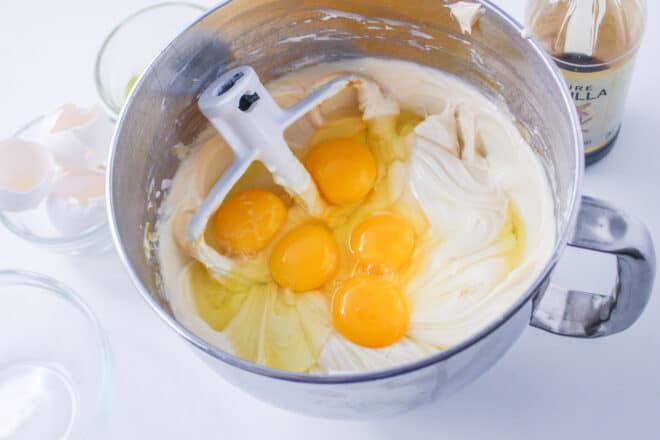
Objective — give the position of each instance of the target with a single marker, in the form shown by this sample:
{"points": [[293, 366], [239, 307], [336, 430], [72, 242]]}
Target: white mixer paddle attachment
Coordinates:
{"points": [[253, 125]]}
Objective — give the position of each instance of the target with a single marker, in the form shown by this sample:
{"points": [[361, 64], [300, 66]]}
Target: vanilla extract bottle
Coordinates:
{"points": [[594, 43]]}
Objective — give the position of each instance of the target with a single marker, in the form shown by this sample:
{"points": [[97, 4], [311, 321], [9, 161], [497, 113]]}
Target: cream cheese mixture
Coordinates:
{"points": [[454, 179]]}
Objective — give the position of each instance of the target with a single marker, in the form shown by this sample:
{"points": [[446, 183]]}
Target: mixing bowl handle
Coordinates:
{"points": [[602, 228]]}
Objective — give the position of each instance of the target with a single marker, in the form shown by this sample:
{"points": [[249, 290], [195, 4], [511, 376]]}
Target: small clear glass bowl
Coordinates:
{"points": [[34, 225], [54, 361], [131, 46]]}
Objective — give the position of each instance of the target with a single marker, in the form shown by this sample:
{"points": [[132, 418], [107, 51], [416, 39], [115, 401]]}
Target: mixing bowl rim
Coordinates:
{"points": [[235, 361]]}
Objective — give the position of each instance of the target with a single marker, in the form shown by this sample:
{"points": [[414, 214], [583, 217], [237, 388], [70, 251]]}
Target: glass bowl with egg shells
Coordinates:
{"points": [[60, 222], [55, 363]]}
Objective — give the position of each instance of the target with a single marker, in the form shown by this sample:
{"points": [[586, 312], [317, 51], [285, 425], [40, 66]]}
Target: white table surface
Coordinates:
{"points": [[546, 387]]}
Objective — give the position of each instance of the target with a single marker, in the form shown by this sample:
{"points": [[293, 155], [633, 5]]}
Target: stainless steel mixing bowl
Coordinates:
{"points": [[278, 36]]}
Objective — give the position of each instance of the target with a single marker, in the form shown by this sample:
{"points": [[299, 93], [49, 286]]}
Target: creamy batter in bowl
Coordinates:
{"points": [[495, 59], [457, 220]]}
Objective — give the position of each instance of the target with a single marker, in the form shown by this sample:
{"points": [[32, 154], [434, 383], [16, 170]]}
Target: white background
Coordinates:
{"points": [[546, 387]]}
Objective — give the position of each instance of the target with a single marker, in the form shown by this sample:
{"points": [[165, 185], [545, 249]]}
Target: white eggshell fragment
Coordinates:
{"points": [[78, 138], [77, 201], [26, 171]]}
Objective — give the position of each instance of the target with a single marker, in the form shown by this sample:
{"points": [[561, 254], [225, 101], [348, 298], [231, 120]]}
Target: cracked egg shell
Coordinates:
{"points": [[78, 138], [26, 171], [77, 201]]}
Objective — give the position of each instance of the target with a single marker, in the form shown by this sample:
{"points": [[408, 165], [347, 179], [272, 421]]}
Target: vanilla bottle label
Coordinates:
{"points": [[599, 97]]}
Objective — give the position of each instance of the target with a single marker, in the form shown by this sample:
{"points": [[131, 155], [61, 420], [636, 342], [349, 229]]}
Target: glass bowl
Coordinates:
{"points": [[34, 225], [54, 361], [131, 46]]}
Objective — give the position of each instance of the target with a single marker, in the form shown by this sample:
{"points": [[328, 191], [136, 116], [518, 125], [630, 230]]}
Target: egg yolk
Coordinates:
{"points": [[344, 170], [383, 243], [371, 312], [304, 259], [246, 222]]}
